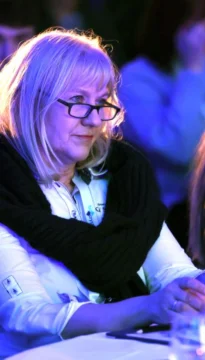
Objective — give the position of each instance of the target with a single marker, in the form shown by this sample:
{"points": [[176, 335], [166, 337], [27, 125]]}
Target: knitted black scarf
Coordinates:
{"points": [[106, 257]]}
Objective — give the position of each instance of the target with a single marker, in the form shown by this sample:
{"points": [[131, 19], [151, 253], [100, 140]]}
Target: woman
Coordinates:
{"points": [[163, 93], [81, 222]]}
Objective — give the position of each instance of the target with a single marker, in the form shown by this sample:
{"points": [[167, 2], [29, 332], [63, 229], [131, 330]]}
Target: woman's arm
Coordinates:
{"points": [[91, 318], [25, 305], [139, 311], [29, 310]]}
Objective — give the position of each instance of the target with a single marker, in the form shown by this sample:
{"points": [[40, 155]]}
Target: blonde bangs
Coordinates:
{"points": [[93, 67]]}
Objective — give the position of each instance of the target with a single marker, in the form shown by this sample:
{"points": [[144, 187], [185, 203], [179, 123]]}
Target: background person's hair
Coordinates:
{"points": [[158, 26], [197, 207], [40, 72]]}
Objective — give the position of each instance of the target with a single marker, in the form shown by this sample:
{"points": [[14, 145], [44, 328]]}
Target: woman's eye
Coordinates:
{"points": [[77, 98], [103, 102]]}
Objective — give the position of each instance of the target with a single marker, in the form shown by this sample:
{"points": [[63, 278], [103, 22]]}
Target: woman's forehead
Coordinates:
{"points": [[87, 91], [86, 88]]}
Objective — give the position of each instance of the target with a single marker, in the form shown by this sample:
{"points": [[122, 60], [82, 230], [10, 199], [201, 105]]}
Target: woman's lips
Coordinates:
{"points": [[84, 137]]}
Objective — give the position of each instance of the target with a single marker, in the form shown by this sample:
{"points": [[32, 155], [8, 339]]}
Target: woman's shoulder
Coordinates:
{"points": [[121, 151], [125, 147]]}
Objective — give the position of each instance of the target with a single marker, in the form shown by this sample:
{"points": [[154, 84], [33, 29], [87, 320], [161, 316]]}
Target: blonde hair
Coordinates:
{"points": [[37, 74], [197, 206]]}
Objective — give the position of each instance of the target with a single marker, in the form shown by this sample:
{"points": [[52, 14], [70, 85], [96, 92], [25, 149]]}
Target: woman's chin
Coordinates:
{"points": [[76, 158]]}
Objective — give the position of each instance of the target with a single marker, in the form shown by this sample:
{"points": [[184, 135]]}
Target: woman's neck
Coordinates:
{"points": [[66, 178]]}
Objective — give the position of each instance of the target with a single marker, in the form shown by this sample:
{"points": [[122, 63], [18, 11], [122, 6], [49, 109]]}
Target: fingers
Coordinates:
{"points": [[181, 309], [190, 298], [187, 283], [182, 296], [180, 306], [187, 294]]}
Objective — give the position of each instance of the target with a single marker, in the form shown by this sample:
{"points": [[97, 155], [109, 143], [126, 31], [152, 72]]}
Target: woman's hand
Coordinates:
{"points": [[184, 295], [190, 46]]}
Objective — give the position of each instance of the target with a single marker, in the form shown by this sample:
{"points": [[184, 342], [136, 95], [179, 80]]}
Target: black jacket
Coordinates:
{"points": [[105, 258]]}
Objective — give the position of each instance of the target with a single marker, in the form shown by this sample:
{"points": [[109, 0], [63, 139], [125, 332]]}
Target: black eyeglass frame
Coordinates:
{"points": [[91, 108]]}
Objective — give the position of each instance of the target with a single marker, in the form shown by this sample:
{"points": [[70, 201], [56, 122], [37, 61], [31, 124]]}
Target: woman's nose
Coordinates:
{"points": [[93, 119]]}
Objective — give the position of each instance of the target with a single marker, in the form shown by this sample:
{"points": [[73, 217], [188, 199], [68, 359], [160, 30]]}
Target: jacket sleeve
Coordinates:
{"points": [[168, 123], [25, 307], [167, 261]]}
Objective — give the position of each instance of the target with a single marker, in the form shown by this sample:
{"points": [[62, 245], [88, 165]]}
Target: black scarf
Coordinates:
{"points": [[105, 258]]}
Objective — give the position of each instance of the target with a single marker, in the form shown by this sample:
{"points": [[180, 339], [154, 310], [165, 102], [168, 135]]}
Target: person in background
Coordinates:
{"points": [[163, 92], [197, 207], [66, 13], [83, 243], [19, 21]]}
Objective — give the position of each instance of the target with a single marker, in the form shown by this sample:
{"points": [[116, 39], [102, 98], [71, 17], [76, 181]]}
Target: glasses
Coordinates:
{"points": [[81, 111]]}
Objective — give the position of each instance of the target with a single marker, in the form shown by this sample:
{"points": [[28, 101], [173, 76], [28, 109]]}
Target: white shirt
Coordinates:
{"points": [[36, 292]]}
